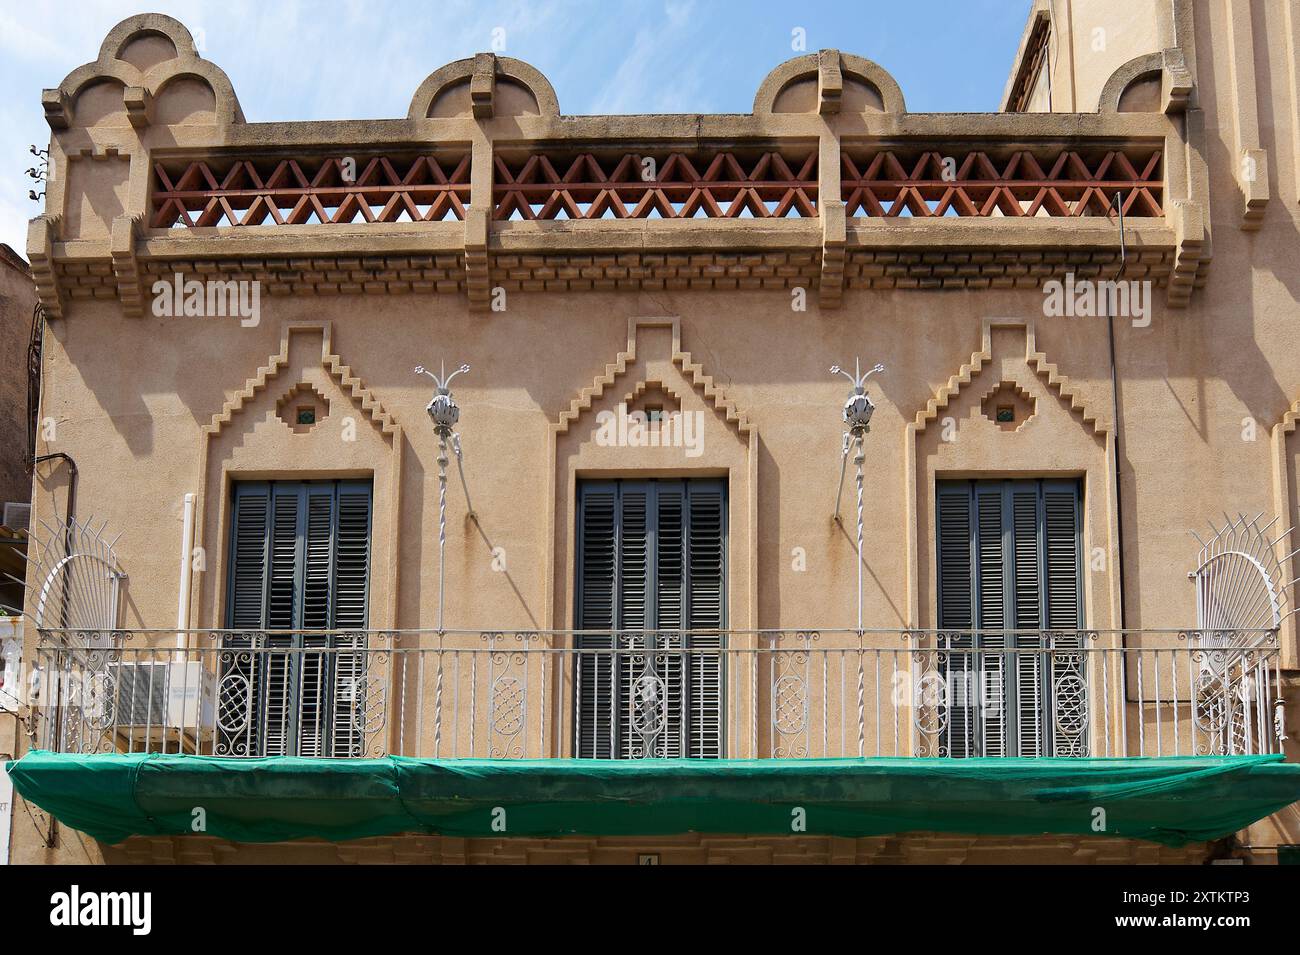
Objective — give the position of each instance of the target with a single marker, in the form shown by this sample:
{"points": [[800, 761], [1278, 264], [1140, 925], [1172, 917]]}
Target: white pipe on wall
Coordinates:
{"points": [[187, 546]]}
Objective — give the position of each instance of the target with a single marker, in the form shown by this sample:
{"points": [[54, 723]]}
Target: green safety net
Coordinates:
{"points": [[1171, 800]]}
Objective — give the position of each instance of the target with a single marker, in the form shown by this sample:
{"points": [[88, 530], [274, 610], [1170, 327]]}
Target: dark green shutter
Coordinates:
{"points": [[1008, 558], [596, 575], [1063, 610], [300, 561], [650, 557], [706, 600]]}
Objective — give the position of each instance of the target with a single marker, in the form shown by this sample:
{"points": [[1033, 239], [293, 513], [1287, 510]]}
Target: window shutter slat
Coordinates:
{"points": [[634, 605], [957, 576], [597, 552], [670, 581], [1063, 547], [248, 549], [1026, 609], [349, 608], [986, 679], [706, 567]]}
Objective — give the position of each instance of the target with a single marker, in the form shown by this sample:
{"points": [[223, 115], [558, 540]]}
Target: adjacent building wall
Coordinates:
{"points": [[17, 299]]}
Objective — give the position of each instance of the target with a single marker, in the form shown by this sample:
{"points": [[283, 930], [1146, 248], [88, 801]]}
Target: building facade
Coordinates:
{"points": [[647, 524]]}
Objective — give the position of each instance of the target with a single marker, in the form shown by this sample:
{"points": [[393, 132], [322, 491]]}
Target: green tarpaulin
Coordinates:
{"points": [[1168, 800]]}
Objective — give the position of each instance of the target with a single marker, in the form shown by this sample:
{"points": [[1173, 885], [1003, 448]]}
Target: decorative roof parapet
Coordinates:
{"points": [[484, 171]]}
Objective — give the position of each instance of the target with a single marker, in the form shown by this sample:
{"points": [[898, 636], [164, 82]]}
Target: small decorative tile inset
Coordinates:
{"points": [[302, 408], [1008, 406]]}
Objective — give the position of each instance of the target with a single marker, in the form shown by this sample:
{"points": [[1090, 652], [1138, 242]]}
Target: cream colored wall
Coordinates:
{"points": [[1094, 38], [136, 398]]}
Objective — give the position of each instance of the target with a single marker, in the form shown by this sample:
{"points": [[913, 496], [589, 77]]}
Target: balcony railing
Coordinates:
{"points": [[630, 694]]}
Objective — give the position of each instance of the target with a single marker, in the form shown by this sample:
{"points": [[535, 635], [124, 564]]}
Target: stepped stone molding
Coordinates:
{"points": [[1046, 370], [387, 507], [1100, 469], [691, 369], [740, 463], [342, 374]]}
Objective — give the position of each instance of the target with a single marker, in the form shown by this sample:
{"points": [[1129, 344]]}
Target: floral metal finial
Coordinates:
{"points": [[859, 407], [442, 410]]}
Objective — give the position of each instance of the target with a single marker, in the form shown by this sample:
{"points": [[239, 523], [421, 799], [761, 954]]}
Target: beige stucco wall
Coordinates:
{"points": [[156, 408]]}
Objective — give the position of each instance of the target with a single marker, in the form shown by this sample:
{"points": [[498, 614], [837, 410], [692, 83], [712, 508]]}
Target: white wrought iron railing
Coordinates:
{"points": [[629, 694]]}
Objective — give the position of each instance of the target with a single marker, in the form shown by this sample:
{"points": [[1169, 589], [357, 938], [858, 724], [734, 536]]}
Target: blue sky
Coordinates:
{"points": [[353, 59]]}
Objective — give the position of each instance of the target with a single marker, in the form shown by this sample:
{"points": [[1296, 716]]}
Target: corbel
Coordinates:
{"points": [[126, 267], [482, 85], [1176, 92], [478, 283], [830, 289], [139, 105], [41, 233], [830, 82], [58, 110], [1189, 242]]}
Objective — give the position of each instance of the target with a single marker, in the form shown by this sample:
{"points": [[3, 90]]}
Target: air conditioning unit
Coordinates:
{"points": [[164, 695], [17, 516]]}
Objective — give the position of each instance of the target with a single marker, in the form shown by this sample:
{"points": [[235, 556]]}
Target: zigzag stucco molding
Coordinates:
{"points": [[742, 599], [1014, 388], [1108, 599], [646, 387], [1046, 370], [691, 369], [385, 609], [341, 373]]}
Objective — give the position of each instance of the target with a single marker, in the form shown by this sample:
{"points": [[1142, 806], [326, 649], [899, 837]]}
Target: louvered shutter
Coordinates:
{"points": [[650, 563], [670, 613], [278, 679], [1063, 605], [1008, 559], [300, 562], [349, 611], [246, 607], [706, 602], [988, 703], [957, 575], [1028, 668], [313, 664], [248, 556], [597, 545]]}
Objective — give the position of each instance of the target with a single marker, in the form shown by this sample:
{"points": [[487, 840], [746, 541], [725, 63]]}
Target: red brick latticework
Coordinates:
{"points": [[892, 184], [717, 186], [248, 192]]}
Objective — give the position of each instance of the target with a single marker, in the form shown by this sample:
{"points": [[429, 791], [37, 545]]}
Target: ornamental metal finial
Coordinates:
{"points": [[442, 410], [859, 407]]}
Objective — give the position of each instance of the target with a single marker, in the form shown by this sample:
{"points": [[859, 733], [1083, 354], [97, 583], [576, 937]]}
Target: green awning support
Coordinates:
{"points": [[1170, 800]]}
